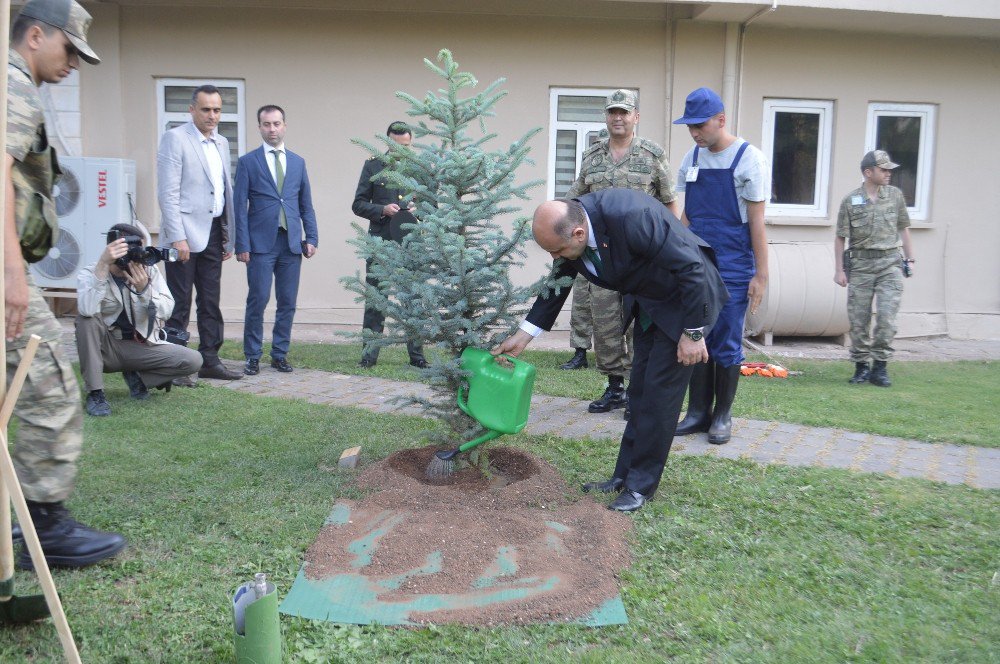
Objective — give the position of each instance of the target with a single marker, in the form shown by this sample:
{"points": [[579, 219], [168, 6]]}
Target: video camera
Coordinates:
{"points": [[139, 254]]}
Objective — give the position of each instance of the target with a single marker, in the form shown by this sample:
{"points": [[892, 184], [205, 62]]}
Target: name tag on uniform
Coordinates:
{"points": [[857, 200], [692, 174]]}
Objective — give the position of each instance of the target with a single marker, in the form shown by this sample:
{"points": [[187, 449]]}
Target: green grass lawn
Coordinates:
{"points": [[733, 561], [952, 402]]}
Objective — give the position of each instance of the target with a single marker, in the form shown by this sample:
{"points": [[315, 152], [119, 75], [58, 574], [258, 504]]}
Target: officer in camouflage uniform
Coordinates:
{"points": [[48, 38], [625, 161], [873, 224]]}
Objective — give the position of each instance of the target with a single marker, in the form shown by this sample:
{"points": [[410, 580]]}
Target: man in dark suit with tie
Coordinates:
{"points": [[628, 241], [273, 209]]}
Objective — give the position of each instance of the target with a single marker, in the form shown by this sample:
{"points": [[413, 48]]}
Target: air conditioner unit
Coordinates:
{"points": [[92, 195]]}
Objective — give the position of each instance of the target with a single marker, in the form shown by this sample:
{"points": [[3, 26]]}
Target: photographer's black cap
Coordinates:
{"points": [[68, 16]]}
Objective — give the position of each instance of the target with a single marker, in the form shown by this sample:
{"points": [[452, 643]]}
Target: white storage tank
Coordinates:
{"points": [[802, 299]]}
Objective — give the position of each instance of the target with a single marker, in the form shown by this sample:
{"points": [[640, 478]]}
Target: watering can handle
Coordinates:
{"points": [[463, 402]]}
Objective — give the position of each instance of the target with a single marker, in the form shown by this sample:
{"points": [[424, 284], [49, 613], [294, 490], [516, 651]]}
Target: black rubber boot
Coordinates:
{"points": [[700, 393], [862, 372], [880, 374], [578, 361], [65, 542], [614, 396], [726, 381]]}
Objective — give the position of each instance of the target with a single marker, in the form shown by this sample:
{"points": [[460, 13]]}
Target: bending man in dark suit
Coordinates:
{"points": [[377, 202], [273, 206], [196, 209], [629, 242]]}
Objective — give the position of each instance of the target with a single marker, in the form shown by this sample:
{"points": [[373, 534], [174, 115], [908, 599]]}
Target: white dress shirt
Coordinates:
{"points": [[213, 154], [269, 156]]}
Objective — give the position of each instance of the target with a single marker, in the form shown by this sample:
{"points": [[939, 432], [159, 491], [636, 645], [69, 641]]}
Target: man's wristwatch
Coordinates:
{"points": [[695, 334]]}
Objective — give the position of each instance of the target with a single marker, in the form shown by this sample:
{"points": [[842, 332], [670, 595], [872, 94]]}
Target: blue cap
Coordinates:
{"points": [[701, 105]]}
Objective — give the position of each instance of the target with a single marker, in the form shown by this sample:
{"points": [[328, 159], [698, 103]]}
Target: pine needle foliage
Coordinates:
{"points": [[447, 284]]}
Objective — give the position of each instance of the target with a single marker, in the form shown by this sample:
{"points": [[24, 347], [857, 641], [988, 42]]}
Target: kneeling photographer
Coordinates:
{"points": [[123, 303]]}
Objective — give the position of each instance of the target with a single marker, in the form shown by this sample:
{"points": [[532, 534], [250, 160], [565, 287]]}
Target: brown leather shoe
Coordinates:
{"points": [[219, 372]]}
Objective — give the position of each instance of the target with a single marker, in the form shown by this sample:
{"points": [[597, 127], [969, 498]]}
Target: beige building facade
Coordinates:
{"points": [[816, 84]]}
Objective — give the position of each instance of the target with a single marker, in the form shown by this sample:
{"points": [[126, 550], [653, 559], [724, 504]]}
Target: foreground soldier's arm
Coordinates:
{"points": [[15, 282]]}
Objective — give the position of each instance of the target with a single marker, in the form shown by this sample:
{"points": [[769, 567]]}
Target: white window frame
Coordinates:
{"points": [[581, 128], [824, 109], [239, 117], [925, 159]]}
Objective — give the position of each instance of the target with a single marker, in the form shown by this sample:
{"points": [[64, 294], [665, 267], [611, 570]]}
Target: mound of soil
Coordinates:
{"points": [[523, 530]]}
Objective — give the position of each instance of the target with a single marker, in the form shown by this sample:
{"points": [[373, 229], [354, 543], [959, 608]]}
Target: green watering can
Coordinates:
{"points": [[497, 397]]}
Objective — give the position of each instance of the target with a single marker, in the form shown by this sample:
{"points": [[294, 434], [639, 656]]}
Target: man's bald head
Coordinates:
{"points": [[560, 228]]}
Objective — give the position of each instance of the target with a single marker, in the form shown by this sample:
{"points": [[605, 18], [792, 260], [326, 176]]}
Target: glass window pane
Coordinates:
{"points": [[900, 137], [565, 161], [177, 98], [231, 131], [580, 109], [594, 136], [796, 149]]}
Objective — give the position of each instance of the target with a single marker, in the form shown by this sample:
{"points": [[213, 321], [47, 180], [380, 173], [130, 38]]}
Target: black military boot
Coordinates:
{"points": [[726, 380], [862, 372], [880, 374], [700, 393], [614, 396], [65, 542], [578, 361]]}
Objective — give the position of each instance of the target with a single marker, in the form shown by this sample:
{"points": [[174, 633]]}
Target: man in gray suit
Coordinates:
{"points": [[196, 206]]}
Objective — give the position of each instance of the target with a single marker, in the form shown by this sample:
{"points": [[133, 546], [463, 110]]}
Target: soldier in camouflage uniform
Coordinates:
{"points": [[873, 224], [625, 161], [48, 40]]}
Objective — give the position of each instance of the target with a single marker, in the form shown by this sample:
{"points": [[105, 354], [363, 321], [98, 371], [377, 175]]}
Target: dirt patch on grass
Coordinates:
{"points": [[520, 547]]}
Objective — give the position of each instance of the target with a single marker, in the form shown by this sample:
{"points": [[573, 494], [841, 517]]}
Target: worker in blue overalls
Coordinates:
{"points": [[726, 183]]}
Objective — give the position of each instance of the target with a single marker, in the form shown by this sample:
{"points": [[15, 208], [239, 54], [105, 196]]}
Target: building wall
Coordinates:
{"points": [[335, 73]]}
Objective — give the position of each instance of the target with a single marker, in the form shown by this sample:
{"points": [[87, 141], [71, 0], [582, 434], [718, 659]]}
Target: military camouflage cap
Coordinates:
{"points": [[68, 16], [626, 99], [878, 158]]}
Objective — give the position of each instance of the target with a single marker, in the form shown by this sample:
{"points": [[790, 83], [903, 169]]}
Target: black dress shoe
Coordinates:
{"points": [[614, 485], [184, 381], [252, 367], [219, 372], [136, 388], [420, 364], [627, 501], [281, 364], [578, 361], [367, 363], [66, 542]]}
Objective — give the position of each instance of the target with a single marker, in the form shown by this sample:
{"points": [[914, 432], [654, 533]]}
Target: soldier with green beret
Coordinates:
{"points": [[48, 39]]}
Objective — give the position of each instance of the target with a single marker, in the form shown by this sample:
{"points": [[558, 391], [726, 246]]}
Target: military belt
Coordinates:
{"points": [[871, 253]]}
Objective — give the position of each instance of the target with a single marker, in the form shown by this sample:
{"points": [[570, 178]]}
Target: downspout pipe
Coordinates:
{"points": [[732, 68]]}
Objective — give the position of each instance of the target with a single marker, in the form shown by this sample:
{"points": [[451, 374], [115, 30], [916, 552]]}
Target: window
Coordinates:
{"points": [[906, 132], [173, 97], [576, 121], [797, 136]]}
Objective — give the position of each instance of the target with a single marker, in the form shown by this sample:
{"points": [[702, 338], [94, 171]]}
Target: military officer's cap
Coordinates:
{"points": [[878, 158], [626, 99], [68, 16]]}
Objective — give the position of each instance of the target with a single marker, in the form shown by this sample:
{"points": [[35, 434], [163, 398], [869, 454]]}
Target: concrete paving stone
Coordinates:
{"points": [[838, 459], [788, 428], [549, 425], [582, 429], [734, 449], [854, 435], [876, 465], [949, 475], [882, 452], [765, 453], [909, 471]]}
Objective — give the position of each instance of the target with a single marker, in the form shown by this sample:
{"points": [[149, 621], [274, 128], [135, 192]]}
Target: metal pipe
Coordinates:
{"points": [[742, 42]]}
